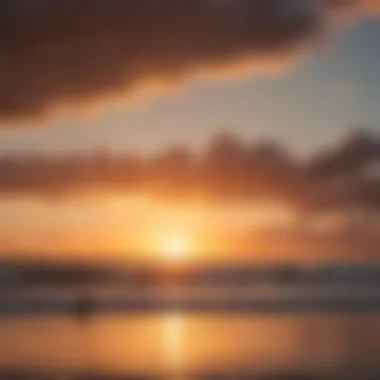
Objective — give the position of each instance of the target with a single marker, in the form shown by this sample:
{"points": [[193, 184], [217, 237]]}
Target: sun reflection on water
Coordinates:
{"points": [[172, 339]]}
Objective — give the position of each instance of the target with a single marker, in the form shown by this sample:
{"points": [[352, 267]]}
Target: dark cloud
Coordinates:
{"points": [[349, 174], [353, 155], [228, 170], [71, 53]]}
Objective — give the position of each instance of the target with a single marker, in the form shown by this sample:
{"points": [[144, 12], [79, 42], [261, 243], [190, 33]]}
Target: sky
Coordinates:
{"points": [[329, 92], [292, 80]]}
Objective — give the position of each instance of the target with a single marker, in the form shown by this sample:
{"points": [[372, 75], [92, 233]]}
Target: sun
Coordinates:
{"points": [[175, 248]]}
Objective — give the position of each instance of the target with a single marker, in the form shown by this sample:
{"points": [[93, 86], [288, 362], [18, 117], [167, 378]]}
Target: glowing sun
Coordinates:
{"points": [[175, 248]]}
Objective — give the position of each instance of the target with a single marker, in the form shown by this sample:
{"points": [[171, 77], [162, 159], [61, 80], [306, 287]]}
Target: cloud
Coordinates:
{"points": [[343, 179], [349, 173], [67, 53], [368, 6]]}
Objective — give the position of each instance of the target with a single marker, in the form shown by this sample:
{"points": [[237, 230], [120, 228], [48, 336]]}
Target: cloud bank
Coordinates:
{"points": [[342, 179], [75, 53]]}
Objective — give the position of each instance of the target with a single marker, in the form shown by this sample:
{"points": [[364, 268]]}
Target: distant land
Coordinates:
{"points": [[14, 274]]}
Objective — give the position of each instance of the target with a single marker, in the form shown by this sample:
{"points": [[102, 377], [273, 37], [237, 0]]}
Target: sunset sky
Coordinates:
{"points": [[105, 78]]}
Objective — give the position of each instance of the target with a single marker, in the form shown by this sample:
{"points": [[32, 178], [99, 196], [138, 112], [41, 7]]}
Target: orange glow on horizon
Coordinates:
{"points": [[171, 234]]}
